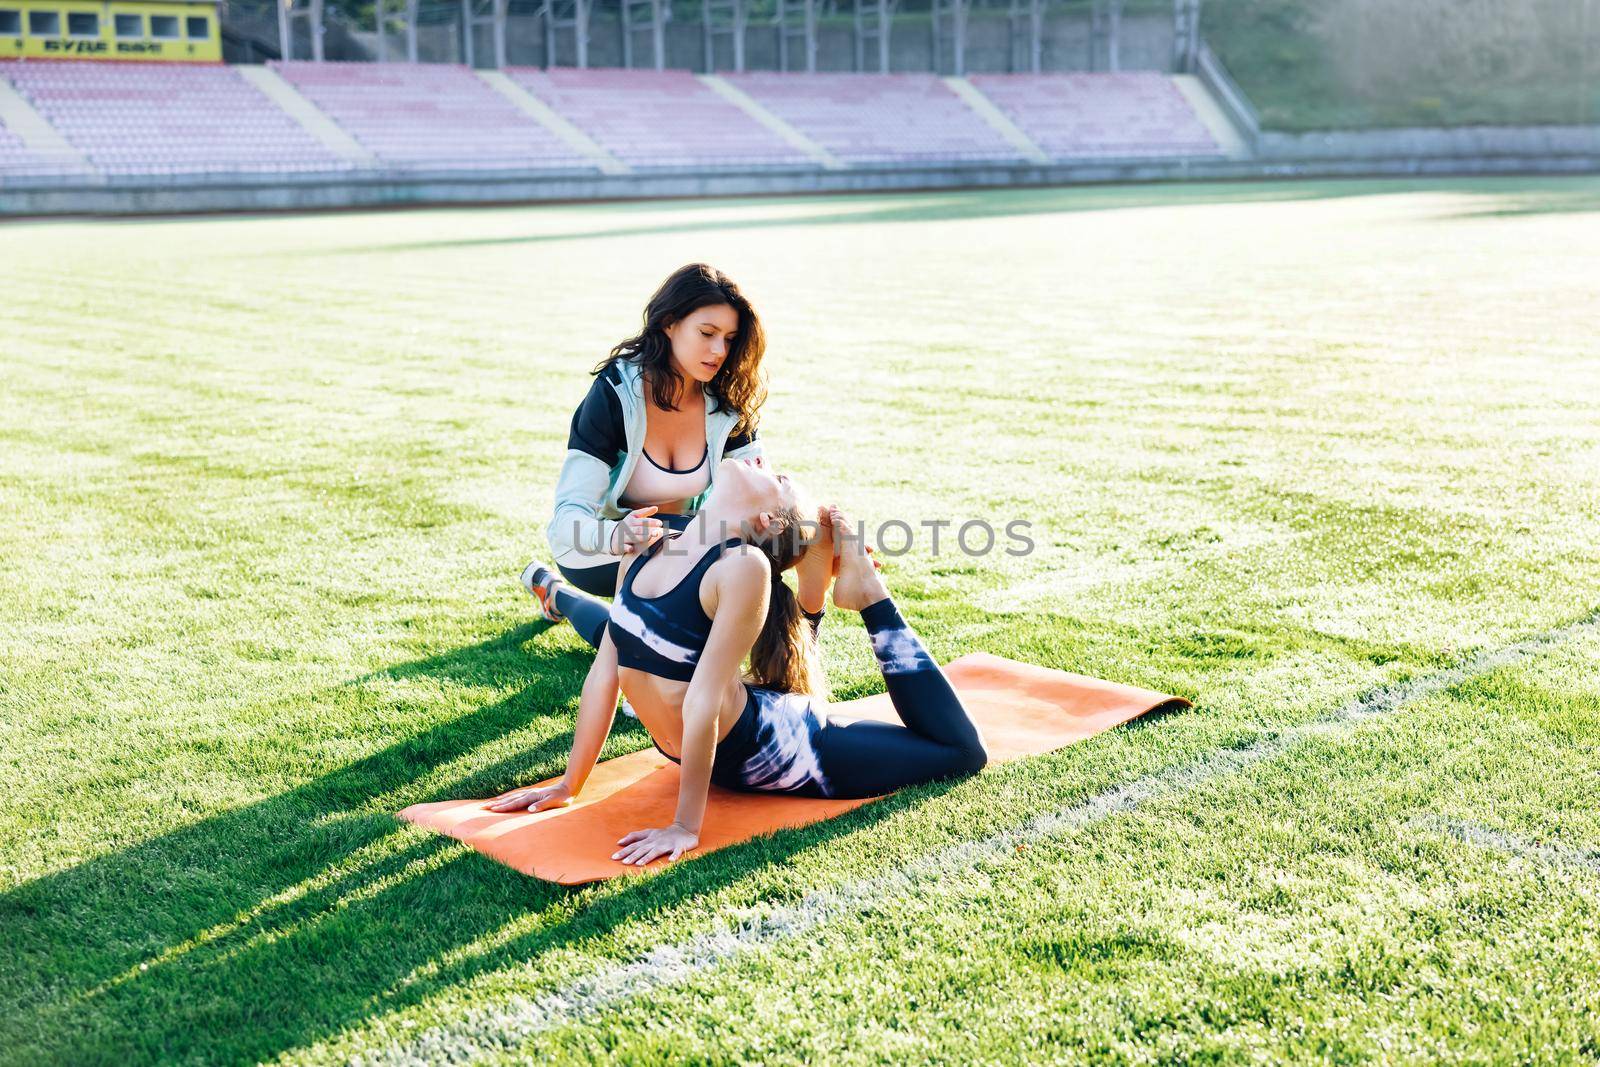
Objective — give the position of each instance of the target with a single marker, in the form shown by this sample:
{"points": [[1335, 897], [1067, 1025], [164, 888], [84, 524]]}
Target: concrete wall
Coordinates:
{"points": [[386, 189], [1467, 142]]}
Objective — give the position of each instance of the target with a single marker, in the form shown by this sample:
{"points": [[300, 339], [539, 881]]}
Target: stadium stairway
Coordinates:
{"points": [[431, 117], [303, 111], [546, 116], [658, 119], [996, 118], [877, 119], [1223, 132], [1089, 116], [28, 142], [791, 136]]}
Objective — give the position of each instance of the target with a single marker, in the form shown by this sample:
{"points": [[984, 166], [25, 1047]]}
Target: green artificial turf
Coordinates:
{"points": [[267, 483]]}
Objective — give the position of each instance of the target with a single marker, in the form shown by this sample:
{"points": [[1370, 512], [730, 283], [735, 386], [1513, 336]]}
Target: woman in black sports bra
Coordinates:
{"points": [[689, 610]]}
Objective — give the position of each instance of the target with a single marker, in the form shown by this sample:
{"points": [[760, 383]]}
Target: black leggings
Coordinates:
{"points": [[781, 745]]}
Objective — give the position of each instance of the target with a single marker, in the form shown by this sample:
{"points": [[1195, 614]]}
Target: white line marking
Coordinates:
{"points": [[507, 1026], [1501, 841]]}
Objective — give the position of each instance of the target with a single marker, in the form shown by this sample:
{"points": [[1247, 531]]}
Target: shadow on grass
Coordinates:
{"points": [[207, 944], [933, 207], [1569, 195], [1160, 715]]}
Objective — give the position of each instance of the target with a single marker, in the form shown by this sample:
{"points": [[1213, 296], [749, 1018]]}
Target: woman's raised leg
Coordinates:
{"points": [[939, 738]]}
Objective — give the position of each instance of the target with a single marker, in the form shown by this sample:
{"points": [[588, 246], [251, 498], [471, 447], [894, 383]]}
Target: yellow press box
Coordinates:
{"points": [[173, 31]]}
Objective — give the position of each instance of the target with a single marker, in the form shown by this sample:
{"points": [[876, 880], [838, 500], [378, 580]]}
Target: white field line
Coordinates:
{"points": [[1511, 844], [505, 1027]]}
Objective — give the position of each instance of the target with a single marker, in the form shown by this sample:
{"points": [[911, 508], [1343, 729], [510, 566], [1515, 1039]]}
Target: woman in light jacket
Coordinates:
{"points": [[665, 408]]}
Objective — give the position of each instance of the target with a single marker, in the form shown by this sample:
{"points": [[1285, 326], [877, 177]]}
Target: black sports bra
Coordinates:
{"points": [[664, 634]]}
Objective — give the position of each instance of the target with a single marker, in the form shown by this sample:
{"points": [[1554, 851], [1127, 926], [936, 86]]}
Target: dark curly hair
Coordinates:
{"points": [[738, 385]]}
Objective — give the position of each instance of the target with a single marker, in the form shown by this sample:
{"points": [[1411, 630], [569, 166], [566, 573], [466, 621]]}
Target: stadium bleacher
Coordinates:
{"points": [[877, 118], [1076, 116], [657, 118], [145, 119], [429, 115], [166, 119]]}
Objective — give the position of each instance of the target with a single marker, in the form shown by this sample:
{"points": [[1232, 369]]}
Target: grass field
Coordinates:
{"points": [[1324, 458]]}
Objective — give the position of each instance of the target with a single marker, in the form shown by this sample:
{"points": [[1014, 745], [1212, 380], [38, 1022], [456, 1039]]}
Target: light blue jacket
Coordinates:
{"points": [[603, 447]]}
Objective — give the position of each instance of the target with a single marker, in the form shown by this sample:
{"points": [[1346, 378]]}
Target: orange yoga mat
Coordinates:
{"points": [[1023, 710]]}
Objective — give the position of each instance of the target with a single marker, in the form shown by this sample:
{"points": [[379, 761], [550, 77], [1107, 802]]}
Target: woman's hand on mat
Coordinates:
{"points": [[642, 846], [636, 531], [549, 796]]}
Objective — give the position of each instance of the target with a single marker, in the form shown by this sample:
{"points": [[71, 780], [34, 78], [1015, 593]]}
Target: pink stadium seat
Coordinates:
{"points": [[152, 118], [429, 115], [1076, 116], [878, 118], [658, 118], [155, 119]]}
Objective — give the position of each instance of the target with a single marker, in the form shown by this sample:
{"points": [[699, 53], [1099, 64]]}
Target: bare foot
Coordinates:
{"points": [[858, 585], [815, 571]]}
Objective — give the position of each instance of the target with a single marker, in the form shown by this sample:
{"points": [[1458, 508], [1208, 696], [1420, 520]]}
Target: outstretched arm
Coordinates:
{"points": [[597, 709], [741, 607], [741, 591]]}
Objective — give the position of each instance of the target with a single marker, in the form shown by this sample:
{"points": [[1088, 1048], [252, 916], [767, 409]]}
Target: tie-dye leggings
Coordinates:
{"points": [[781, 744]]}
